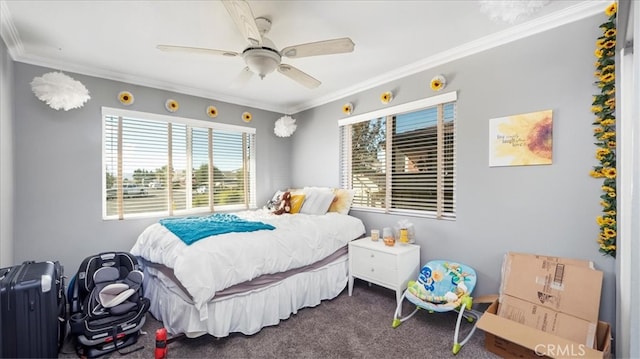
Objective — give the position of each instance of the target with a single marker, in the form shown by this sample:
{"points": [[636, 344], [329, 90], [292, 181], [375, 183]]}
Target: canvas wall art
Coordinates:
{"points": [[521, 140]]}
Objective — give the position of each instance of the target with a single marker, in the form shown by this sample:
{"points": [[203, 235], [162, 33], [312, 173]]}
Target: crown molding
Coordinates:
{"points": [[563, 17], [9, 33], [147, 82]]}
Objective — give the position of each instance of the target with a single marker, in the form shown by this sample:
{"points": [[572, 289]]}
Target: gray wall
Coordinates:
{"points": [[541, 209], [58, 159], [6, 157]]}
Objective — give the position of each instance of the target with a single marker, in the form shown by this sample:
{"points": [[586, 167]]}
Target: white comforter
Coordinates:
{"points": [[217, 262]]}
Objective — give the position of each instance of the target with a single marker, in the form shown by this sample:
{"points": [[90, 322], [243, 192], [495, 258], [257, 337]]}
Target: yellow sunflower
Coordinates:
{"points": [[598, 53], [609, 172], [607, 188], [246, 117], [610, 44], [610, 33], [611, 9], [126, 98], [607, 122], [438, 83], [611, 144], [611, 103], [347, 108], [608, 77], [212, 111], [607, 135], [601, 153], [596, 109], [386, 97], [600, 43], [172, 105]]}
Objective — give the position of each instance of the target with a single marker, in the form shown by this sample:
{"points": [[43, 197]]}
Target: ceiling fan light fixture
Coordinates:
{"points": [[261, 61]]}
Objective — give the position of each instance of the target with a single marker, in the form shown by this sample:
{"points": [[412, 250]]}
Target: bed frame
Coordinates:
{"points": [[247, 307]]}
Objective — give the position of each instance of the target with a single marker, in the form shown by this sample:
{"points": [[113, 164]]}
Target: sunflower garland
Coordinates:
{"points": [[604, 107]]}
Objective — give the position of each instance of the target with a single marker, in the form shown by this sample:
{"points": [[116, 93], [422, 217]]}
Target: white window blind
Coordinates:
{"points": [[157, 165], [402, 159]]}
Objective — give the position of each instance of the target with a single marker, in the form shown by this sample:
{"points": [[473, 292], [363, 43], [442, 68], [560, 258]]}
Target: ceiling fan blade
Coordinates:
{"points": [[242, 16], [198, 50], [327, 47], [242, 79], [298, 76]]}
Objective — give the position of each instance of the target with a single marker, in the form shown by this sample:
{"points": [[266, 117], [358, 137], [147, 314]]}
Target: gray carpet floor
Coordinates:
{"points": [[345, 327]]}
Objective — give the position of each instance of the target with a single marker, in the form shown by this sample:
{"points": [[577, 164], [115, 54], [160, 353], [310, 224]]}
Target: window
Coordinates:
{"points": [[156, 165], [402, 159]]}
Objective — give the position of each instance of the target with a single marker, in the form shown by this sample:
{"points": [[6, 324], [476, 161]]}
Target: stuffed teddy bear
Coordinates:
{"points": [[285, 204]]}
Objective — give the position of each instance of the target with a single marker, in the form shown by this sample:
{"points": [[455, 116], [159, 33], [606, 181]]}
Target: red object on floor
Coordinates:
{"points": [[161, 343]]}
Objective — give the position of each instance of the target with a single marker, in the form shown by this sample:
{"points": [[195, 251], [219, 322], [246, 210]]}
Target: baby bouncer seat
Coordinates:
{"points": [[442, 286]]}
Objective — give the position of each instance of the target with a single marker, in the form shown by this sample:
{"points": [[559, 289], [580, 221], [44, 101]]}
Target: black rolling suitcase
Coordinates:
{"points": [[31, 297]]}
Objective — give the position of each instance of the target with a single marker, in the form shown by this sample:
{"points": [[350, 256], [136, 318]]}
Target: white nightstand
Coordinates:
{"points": [[389, 267]]}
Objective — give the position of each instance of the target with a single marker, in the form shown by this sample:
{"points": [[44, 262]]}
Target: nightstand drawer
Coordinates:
{"points": [[376, 273], [367, 257]]}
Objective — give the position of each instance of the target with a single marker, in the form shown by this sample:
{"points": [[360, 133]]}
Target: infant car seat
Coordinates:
{"points": [[107, 305]]}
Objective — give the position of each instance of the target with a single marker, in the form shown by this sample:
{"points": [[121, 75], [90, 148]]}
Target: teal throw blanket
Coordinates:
{"points": [[192, 229]]}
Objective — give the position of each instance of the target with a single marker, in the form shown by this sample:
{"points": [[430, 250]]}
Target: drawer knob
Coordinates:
{"points": [[372, 255]]}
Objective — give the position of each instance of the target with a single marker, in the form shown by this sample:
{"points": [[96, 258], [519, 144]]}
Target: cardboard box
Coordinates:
{"points": [[510, 339], [563, 260], [566, 288], [548, 320]]}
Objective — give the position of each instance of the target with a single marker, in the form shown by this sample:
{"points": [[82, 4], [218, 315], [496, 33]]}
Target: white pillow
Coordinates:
{"points": [[317, 200]]}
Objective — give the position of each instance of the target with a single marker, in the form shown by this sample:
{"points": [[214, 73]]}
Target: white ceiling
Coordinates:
{"points": [[117, 39]]}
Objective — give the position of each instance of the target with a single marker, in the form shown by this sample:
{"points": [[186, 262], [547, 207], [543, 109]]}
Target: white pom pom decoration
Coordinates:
{"points": [[60, 91], [285, 126]]}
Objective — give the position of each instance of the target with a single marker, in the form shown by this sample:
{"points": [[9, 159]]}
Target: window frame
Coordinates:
{"points": [[250, 163], [346, 153]]}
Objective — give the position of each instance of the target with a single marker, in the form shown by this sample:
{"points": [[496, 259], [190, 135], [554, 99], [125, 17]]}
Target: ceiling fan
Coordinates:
{"points": [[261, 55]]}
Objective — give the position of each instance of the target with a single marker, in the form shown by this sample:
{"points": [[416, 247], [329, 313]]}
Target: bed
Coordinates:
{"points": [[244, 281]]}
